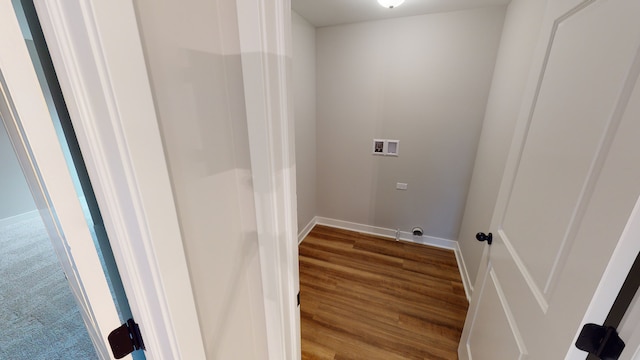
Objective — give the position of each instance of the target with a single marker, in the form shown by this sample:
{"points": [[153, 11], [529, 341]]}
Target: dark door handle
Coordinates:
{"points": [[602, 342], [485, 237]]}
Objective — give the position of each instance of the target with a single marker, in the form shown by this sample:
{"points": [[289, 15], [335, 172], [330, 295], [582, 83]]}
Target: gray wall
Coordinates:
{"points": [[521, 29], [15, 197], [423, 80], [193, 58], [304, 94]]}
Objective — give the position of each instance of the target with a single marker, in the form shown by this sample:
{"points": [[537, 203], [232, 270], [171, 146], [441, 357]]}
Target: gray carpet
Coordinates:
{"points": [[39, 318]]}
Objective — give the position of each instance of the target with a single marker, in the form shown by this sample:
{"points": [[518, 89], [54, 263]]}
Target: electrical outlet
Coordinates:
{"points": [[401, 186]]}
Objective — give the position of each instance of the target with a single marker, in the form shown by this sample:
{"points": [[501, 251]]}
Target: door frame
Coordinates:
{"points": [[97, 52], [98, 58], [266, 54]]}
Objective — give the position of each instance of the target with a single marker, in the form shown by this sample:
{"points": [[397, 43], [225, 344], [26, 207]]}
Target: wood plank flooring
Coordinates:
{"points": [[366, 297]]}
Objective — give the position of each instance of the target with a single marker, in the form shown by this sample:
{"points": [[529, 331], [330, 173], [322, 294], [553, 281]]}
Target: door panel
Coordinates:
{"points": [[498, 329], [571, 122], [569, 187]]}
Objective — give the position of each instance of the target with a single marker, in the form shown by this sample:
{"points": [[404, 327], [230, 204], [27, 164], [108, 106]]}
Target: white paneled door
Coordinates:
{"points": [[570, 186], [27, 119]]}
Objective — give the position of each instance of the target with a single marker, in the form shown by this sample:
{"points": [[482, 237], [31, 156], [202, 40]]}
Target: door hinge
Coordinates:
{"points": [[125, 339], [601, 341], [298, 298]]}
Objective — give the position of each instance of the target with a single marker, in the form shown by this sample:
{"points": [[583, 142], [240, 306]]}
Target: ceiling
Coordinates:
{"points": [[334, 12]]}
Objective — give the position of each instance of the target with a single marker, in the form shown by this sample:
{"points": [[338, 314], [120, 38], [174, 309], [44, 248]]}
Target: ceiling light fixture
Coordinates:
{"points": [[390, 3]]}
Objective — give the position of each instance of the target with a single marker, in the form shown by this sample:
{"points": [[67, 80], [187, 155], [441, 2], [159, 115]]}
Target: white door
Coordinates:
{"points": [[572, 180], [31, 129]]}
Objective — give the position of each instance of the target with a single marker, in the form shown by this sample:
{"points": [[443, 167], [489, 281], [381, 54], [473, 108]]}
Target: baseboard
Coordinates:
{"points": [[468, 347], [389, 233], [17, 218], [464, 274], [307, 229]]}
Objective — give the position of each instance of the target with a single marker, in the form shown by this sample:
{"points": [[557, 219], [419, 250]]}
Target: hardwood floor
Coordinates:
{"points": [[366, 297]]}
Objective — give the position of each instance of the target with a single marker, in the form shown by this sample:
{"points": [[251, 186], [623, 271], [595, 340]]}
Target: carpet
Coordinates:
{"points": [[39, 318]]}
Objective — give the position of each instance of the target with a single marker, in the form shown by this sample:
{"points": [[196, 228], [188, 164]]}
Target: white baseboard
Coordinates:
{"points": [[464, 274], [17, 218], [405, 236], [307, 229], [389, 233]]}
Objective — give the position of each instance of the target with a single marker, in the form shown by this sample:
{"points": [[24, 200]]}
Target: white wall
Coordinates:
{"points": [[423, 80], [192, 53], [14, 191], [304, 96], [519, 38]]}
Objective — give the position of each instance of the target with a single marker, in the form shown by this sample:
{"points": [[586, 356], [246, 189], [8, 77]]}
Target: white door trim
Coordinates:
{"points": [[97, 53], [266, 52]]}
